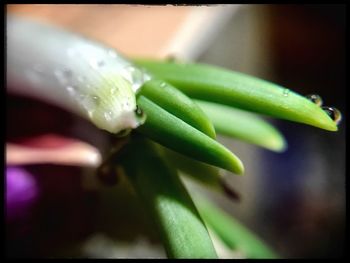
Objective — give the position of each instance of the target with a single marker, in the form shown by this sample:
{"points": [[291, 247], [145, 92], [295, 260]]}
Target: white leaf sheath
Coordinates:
{"points": [[73, 72]]}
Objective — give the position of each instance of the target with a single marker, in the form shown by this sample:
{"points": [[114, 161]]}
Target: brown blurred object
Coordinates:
{"points": [[137, 30]]}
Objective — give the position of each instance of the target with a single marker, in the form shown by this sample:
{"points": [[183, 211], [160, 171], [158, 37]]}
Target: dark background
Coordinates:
{"points": [[298, 203]]}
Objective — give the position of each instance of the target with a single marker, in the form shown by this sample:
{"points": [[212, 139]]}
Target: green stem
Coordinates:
{"points": [[181, 229]]}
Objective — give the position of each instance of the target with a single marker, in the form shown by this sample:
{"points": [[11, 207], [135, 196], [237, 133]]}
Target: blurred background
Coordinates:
{"points": [[294, 200]]}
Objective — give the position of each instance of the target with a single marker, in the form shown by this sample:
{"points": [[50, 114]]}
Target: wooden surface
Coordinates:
{"points": [[138, 30]]}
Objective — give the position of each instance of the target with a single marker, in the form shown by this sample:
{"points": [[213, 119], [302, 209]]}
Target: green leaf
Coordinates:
{"points": [[232, 232], [243, 125], [239, 90], [172, 132], [204, 173], [181, 229], [178, 104]]}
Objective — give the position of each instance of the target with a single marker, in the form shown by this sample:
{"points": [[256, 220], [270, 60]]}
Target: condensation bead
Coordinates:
{"points": [[315, 98], [333, 113]]}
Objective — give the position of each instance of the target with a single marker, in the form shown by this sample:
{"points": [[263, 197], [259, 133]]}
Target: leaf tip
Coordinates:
{"points": [[276, 144], [237, 166], [211, 131], [327, 118]]}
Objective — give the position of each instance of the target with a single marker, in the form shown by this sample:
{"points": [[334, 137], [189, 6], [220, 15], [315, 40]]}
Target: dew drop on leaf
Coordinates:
{"points": [[108, 115], [96, 100], [286, 92], [136, 76], [89, 102], [113, 90], [140, 115], [138, 111], [315, 99], [333, 113], [63, 75], [71, 90]]}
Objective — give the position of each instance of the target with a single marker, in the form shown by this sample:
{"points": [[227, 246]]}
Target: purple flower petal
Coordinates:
{"points": [[21, 192]]}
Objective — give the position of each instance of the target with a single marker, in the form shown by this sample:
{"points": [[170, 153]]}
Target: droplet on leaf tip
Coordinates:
{"points": [[333, 113]]}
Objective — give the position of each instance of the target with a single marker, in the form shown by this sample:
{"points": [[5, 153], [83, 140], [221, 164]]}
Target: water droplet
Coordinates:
{"points": [[123, 133], [113, 90], [108, 115], [136, 76], [140, 115], [315, 99], [89, 102], [138, 111], [71, 90], [96, 100], [63, 75], [286, 92], [333, 113], [163, 85]]}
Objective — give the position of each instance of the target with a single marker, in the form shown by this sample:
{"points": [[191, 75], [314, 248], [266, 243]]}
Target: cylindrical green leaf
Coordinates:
{"points": [[239, 90], [243, 125], [178, 104], [232, 232], [207, 174], [181, 229], [172, 132]]}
